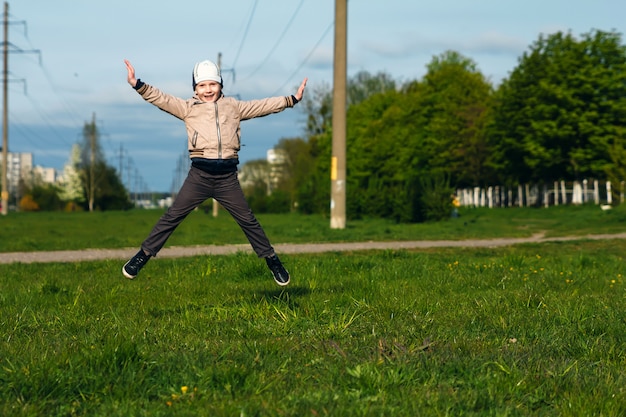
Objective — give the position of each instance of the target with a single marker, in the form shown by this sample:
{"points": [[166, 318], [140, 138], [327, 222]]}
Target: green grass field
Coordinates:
{"points": [[530, 330], [71, 231]]}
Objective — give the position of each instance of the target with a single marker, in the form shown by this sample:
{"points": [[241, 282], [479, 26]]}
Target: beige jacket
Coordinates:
{"points": [[213, 129]]}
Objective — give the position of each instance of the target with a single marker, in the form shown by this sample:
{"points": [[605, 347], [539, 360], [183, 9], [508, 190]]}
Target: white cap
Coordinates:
{"points": [[205, 71]]}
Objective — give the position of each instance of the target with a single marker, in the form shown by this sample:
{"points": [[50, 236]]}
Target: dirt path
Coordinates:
{"points": [[177, 252]]}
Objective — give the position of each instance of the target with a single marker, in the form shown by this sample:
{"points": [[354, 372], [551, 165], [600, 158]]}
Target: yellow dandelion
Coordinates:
{"points": [[184, 389]]}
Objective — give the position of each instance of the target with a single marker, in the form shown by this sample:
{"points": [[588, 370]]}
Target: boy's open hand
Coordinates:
{"points": [[300, 92], [131, 73]]}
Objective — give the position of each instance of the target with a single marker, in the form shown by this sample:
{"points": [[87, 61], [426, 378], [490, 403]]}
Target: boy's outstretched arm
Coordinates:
{"points": [[131, 73]]}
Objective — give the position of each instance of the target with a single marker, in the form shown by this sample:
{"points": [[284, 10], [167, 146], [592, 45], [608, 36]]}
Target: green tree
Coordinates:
{"points": [[561, 113], [308, 174], [255, 182], [38, 194], [455, 98], [102, 187], [318, 103], [71, 187], [429, 129], [318, 108], [364, 85], [297, 165], [255, 174], [46, 196], [111, 193], [313, 191]]}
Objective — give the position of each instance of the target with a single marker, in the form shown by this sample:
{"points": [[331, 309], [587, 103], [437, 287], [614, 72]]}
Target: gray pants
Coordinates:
{"points": [[197, 188]]}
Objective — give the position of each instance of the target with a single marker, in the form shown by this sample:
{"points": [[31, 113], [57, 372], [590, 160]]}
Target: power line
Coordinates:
{"points": [[45, 119], [306, 59], [245, 34], [28, 134], [61, 97], [280, 38], [70, 112]]}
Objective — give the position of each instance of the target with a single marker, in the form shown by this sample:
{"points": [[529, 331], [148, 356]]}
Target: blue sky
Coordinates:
{"points": [[71, 62]]}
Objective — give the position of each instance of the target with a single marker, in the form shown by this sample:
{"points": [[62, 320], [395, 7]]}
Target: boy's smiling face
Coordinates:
{"points": [[208, 90]]}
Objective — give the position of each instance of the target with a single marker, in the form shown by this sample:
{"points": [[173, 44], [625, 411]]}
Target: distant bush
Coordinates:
{"points": [[28, 204], [435, 202]]}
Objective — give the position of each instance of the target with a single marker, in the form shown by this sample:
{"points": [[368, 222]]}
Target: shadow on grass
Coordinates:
{"points": [[284, 294]]}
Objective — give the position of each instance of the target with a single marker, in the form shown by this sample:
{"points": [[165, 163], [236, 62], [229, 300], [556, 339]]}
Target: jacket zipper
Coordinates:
{"points": [[219, 134]]}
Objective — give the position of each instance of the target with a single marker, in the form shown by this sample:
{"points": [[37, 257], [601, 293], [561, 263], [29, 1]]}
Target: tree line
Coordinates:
{"points": [[559, 115], [88, 182]]}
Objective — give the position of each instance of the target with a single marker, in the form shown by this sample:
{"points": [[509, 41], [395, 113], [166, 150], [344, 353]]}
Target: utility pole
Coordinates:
{"points": [[338, 160], [121, 163], [92, 163], [4, 194], [5, 112]]}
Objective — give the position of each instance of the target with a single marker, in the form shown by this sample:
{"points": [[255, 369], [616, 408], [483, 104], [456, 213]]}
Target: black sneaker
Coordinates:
{"points": [[281, 276], [132, 267]]}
